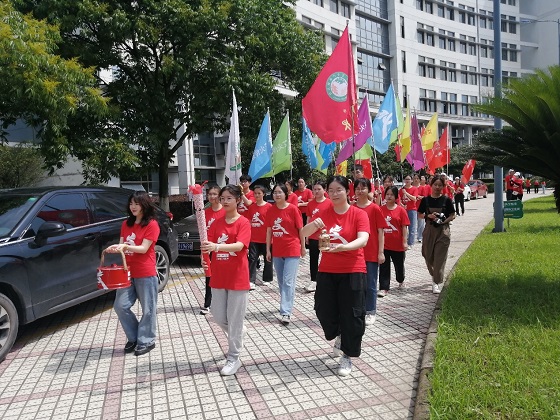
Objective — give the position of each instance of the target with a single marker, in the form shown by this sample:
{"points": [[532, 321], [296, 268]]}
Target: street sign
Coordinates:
{"points": [[513, 209]]}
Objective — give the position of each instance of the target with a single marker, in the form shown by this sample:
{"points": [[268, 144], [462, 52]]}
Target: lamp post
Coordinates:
{"points": [[498, 170]]}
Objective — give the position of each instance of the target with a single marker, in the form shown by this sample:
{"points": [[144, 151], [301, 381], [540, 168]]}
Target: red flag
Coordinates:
{"points": [[331, 103], [398, 152], [438, 156], [366, 164], [468, 170]]}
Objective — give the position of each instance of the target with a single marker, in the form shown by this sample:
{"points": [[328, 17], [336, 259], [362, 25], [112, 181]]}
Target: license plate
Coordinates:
{"points": [[186, 246]]}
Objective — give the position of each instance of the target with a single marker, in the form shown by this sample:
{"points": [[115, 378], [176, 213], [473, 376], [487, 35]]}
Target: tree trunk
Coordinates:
{"points": [[557, 195], [163, 174]]}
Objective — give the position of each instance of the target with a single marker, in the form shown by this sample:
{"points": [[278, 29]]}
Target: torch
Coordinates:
{"points": [[198, 201]]}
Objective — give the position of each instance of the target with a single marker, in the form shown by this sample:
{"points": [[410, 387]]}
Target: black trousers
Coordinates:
{"points": [[385, 269], [340, 306], [313, 258], [207, 294], [257, 249], [460, 201], [509, 195]]}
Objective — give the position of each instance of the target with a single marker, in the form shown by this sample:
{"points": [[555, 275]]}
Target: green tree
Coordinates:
{"points": [[459, 156], [37, 85], [20, 166], [176, 62], [531, 142]]}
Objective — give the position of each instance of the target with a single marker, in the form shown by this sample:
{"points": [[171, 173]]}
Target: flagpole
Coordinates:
{"points": [[290, 138], [448, 137]]}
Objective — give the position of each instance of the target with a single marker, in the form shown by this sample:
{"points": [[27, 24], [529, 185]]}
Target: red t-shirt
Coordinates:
{"points": [[459, 187], [141, 265], [230, 270], [314, 210], [342, 229], [376, 221], [285, 225], [303, 197], [395, 220], [352, 193], [407, 202], [257, 217], [293, 199], [448, 189], [424, 191], [212, 216], [241, 207], [508, 183]]}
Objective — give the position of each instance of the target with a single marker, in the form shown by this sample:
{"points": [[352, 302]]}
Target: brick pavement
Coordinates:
{"points": [[71, 365]]}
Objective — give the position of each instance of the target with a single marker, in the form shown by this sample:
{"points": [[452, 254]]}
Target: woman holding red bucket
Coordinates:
{"points": [[228, 241], [139, 234]]}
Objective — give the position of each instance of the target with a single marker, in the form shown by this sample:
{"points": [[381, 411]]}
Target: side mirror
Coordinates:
{"points": [[49, 230]]}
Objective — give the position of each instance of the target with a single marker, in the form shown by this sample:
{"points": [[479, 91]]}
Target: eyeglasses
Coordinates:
{"points": [[335, 192]]}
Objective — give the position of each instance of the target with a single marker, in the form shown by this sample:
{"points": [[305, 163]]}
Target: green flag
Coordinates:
{"points": [[364, 153], [320, 161], [281, 149]]}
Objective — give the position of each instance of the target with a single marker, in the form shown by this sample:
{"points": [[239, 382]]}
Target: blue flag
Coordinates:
{"points": [[385, 122], [261, 163], [307, 145], [327, 153]]}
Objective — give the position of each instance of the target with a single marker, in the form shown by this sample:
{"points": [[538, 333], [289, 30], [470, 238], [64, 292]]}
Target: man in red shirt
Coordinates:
{"points": [[247, 196], [304, 196], [509, 185]]}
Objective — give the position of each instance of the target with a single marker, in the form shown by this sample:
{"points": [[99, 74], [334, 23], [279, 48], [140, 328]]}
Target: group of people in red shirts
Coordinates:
{"points": [[367, 226]]}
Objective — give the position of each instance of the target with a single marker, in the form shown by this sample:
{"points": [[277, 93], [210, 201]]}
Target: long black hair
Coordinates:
{"points": [[142, 198]]}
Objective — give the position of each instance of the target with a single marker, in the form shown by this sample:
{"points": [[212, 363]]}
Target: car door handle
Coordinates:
{"points": [[90, 236]]}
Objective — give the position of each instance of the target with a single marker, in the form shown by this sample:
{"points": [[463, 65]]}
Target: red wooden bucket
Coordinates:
{"points": [[113, 277]]}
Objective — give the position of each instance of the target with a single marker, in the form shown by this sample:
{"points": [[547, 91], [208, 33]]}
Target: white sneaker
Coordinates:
{"points": [[435, 289], [370, 319], [311, 287], [230, 367], [336, 347], [345, 367], [285, 319], [381, 293], [252, 286]]}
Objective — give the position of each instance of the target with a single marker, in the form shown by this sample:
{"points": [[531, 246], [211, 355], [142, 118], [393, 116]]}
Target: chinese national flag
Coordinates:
{"points": [[366, 164], [438, 155], [331, 103], [468, 170], [342, 168]]}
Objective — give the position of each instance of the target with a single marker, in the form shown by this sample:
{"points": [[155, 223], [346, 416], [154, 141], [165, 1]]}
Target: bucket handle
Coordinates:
{"points": [[122, 255]]}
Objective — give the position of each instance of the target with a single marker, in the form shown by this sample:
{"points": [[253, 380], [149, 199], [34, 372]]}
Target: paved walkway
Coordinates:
{"points": [[71, 365]]}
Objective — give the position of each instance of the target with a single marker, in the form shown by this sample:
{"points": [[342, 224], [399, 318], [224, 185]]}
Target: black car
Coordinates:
{"points": [[51, 240], [189, 238]]}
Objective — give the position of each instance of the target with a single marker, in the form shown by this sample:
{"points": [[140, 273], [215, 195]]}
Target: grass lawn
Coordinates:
{"points": [[498, 344]]}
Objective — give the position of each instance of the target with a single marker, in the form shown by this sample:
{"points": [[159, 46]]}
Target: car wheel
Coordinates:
{"points": [[9, 323], [485, 194], [162, 267]]}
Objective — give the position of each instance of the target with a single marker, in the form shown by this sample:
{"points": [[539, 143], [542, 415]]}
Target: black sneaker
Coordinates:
{"points": [[129, 346], [140, 350]]}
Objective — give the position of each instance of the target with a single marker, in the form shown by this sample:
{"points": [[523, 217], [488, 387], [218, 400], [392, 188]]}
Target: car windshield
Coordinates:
{"points": [[12, 208], [471, 183]]}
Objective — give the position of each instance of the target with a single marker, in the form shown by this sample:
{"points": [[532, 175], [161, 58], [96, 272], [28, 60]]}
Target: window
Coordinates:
{"points": [[451, 44], [472, 49], [450, 14], [442, 42], [305, 19], [441, 10], [428, 100], [463, 47], [429, 7], [462, 17], [420, 4], [345, 9], [421, 37], [504, 24], [402, 27], [471, 19], [482, 21], [430, 39], [512, 25], [405, 97], [108, 206], [504, 52], [68, 209], [403, 55], [317, 2], [490, 23], [334, 6]]}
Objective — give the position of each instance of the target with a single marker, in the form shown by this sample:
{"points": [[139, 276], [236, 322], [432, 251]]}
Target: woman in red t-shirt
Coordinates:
{"points": [[314, 209], [257, 216], [304, 196], [228, 241], [283, 234], [396, 235], [212, 213], [408, 195], [291, 197], [340, 298], [139, 234], [373, 251]]}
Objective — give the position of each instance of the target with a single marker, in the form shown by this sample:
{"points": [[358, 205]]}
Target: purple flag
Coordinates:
{"points": [[416, 155], [364, 133]]}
